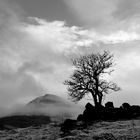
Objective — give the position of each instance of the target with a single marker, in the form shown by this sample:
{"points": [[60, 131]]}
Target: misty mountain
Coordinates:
{"points": [[49, 105], [48, 100], [40, 110]]}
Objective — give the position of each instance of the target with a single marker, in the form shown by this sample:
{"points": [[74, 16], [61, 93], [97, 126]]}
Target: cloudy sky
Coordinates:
{"points": [[38, 38]]}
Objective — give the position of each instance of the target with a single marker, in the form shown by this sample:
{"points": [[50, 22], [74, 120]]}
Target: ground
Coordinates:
{"points": [[119, 130]]}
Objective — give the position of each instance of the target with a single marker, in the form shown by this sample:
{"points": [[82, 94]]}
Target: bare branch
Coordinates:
{"points": [[87, 77]]}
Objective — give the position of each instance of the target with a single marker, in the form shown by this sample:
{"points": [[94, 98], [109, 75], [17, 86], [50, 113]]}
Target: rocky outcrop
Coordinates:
{"points": [[109, 105], [109, 112], [93, 114]]}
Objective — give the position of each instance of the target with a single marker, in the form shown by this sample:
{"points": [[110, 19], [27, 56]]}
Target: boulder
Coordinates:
{"points": [[109, 112], [126, 106], [80, 117], [100, 107], [109, 105], [68, 125], [135, 110], [92, 113], [89, 106]]}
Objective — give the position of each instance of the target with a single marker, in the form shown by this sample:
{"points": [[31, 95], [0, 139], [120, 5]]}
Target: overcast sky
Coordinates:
{"points": [[38, 38]]}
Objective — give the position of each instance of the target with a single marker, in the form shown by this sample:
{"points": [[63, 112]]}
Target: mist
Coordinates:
{"points": [[57, 112]]}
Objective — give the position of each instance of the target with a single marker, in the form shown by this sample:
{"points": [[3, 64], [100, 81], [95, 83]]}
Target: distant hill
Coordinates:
{"points": [[41, 110], [47, 100], [22, 121], [50, 105]]}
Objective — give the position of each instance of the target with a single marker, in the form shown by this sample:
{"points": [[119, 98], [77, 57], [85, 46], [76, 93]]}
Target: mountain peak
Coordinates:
{"points": [[48, 99]]}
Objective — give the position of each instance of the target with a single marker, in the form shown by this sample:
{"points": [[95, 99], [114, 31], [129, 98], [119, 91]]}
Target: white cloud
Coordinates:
{"points": [[110, 38], [120, 37], [35, 53], [42, 50]]}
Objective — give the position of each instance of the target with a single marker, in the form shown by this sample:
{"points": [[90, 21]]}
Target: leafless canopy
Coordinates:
{"points": [[88, 77]]}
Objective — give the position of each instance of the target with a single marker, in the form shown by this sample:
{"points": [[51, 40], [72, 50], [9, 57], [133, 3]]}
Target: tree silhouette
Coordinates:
{"points": [[88, 77]]}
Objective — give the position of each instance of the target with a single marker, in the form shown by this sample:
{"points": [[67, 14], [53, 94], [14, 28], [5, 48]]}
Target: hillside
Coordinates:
{"points": [[48, 99], [118, 130], [23, 121]]}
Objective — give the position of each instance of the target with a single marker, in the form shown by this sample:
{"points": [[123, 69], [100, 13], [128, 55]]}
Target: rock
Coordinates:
{"points": [[68, 125], [109, 105], [126, 106], [80, 117], [135, 109], [92, 113], [100, 107], [109, 112], [89, 106]]}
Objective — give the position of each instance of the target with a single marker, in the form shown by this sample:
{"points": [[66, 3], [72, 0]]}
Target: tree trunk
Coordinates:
{"points": [[100, 99], [95, 101], [98, 103]]}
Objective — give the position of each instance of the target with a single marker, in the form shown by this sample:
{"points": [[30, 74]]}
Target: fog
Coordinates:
{"points": [[51, 110]]}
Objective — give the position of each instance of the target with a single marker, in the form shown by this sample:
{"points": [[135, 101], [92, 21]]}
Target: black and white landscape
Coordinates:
{"points": [[69, 69]]}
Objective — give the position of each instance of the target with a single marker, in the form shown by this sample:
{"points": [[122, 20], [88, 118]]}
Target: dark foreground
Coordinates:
{"points": [[93, 124], [118, 130]]}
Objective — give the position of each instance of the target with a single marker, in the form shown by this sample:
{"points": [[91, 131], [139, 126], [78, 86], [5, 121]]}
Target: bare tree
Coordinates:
{"points": [[88, 77]]}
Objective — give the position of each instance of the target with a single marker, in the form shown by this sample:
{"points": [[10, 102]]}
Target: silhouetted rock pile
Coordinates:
{"points": [[109, 112], [101, 113]]}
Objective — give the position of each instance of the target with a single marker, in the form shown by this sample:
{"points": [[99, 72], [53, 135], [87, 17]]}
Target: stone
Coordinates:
{"points": [[109, 105]]}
